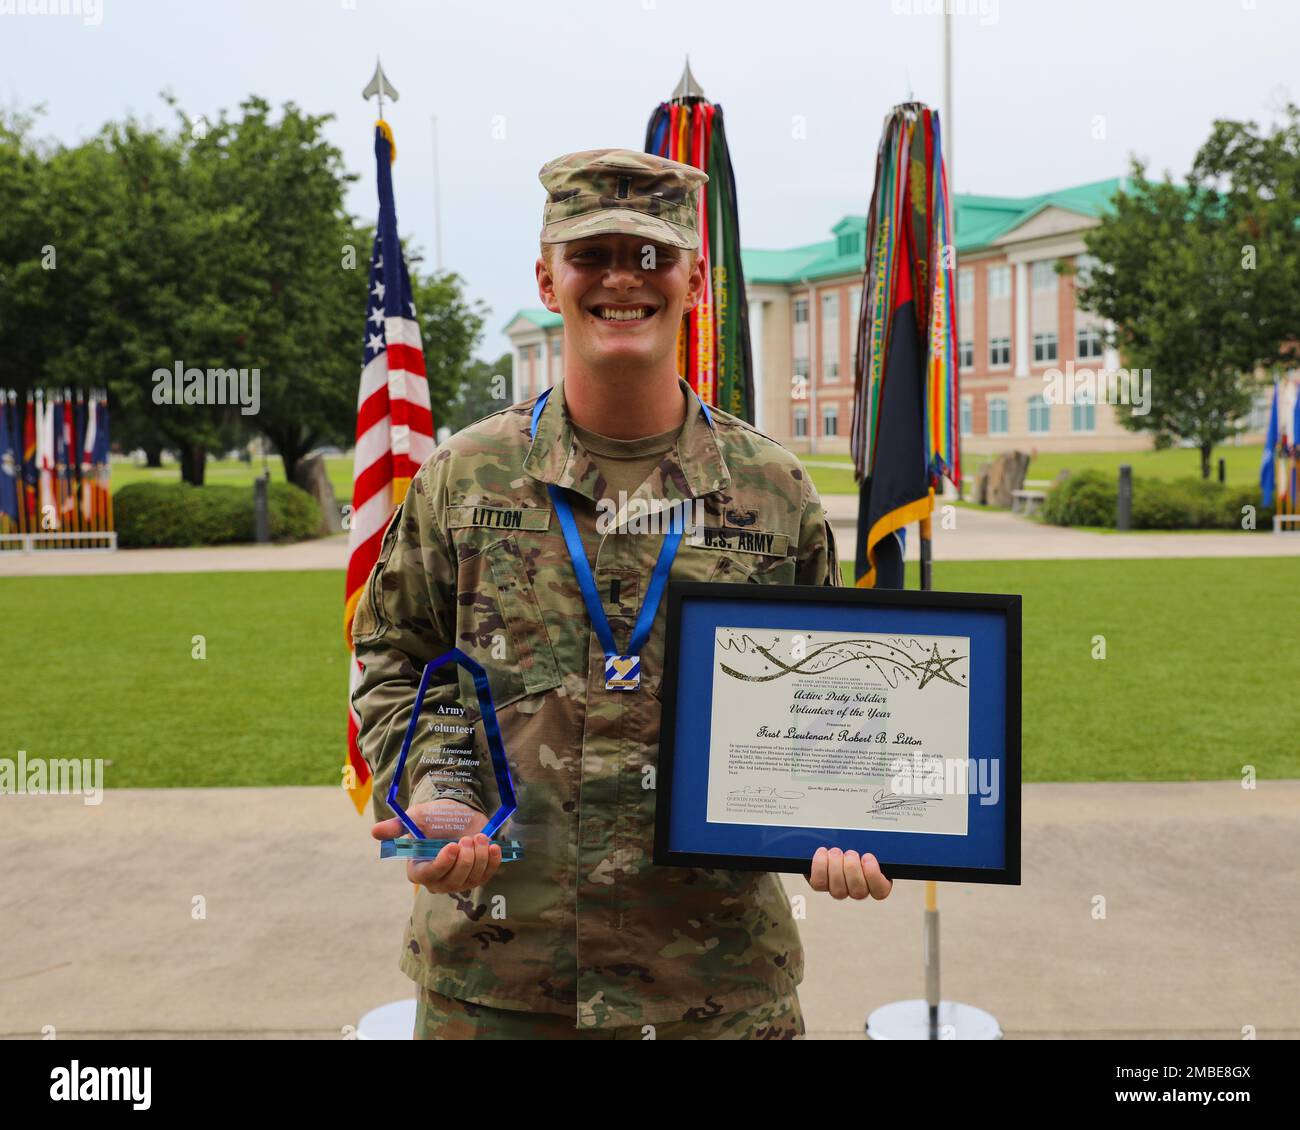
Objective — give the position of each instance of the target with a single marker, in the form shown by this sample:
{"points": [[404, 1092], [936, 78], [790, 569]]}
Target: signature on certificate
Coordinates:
{"points": [[884, 802], [760, 790]]}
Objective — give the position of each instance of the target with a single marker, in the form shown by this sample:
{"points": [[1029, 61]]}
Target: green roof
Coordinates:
{"points": [[979, 219], [543, 318]]}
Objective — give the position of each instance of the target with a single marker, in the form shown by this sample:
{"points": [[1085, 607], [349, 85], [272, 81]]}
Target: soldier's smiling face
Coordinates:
{"points": [[622, 297]]}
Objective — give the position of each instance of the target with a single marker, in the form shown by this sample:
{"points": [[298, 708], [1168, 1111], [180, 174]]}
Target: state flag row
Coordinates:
{"points": [[54, 467]]}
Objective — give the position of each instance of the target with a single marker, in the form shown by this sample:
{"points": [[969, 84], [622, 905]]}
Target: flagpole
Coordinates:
{"points": [[437, 201]]}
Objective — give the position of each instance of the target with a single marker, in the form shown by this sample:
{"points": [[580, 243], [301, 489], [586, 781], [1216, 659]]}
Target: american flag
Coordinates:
{"points": [[394, 424]]}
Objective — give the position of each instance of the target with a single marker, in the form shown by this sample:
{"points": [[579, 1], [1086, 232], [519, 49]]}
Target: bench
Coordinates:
{"points": [[1027, 501]]}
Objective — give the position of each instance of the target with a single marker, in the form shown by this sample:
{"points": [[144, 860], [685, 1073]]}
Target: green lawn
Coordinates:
{"points": [[231, 472], [1195, 684], [1242, 463]]}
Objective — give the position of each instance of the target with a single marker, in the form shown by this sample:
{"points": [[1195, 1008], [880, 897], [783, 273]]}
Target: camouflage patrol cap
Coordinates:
{"points": [[621, 191]]}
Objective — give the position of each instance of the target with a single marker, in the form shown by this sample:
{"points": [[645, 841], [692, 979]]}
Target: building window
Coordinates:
{"points": [[1088, 342], [801, 423], [1261, 408], [966, 354], [855, 304], [999, 282], [966, 416], [1043, 275], [966, 286], [557, 347], [1044, 347], [1040, 414], [831, 371], [1083, 416], [850, 243], [1084, 266], [998, 417], [830, 420], [800, 310], [999, 351], [801, 366]]}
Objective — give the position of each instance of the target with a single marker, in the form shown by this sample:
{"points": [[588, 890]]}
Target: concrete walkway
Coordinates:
{"points": [[979, 535], [301, 923], [998, 535]]}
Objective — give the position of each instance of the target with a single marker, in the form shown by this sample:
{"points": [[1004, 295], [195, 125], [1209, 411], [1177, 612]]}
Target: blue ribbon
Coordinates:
{"points": [[581, 566]]}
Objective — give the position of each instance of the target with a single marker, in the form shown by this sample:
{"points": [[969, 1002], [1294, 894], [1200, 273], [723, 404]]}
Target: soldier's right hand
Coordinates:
{"points": [[469, 861]]}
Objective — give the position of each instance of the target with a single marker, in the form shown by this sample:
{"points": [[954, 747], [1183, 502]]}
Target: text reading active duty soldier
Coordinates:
{"points": [[488, 553]]}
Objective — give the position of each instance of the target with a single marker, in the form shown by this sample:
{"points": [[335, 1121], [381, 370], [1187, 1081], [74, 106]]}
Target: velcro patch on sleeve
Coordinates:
{"points": [[498, 518]]}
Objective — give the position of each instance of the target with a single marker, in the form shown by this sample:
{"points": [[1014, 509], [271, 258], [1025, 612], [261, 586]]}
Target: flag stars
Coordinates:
{"points": [[377, 315], [374, 343], [378, 289]]}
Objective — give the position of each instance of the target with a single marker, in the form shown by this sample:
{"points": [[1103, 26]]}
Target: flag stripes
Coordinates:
{"points": [[394, 432]]}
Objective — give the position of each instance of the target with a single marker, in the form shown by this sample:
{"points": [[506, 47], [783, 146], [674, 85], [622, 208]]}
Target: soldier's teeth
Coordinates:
{"points": [[611, 315]]}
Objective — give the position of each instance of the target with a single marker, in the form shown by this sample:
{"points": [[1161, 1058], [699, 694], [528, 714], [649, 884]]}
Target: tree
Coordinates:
{"points": [[1201, 281], [450, 327], [219, 245], [484, 390]]}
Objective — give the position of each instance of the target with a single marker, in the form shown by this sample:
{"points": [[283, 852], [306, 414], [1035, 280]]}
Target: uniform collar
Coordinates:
{"points": [[694, 468]]}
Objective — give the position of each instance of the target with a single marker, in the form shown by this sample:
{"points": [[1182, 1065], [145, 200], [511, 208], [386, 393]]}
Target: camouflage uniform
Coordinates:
{"points": [[584, 926]]}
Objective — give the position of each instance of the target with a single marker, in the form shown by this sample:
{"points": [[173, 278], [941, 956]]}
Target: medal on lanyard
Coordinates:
{"points": [[622, 669]]}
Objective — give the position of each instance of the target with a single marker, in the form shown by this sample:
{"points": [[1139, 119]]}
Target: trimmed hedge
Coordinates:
{"points": [[177, 514], [1090, 499]]}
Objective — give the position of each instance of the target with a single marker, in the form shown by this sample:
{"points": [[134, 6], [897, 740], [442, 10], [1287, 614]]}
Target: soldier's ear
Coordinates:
{"points": [[546, 286], [695, 285]]}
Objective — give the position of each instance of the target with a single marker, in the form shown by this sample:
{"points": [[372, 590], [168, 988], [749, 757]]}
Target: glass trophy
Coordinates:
{"points": [[417, 845]]}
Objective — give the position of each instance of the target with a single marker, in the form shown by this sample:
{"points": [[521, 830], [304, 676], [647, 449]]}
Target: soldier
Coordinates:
{"points": [[489, 552]]}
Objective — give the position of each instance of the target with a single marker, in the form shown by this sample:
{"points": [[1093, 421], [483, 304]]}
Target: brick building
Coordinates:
{"points": [[1016, 320]]}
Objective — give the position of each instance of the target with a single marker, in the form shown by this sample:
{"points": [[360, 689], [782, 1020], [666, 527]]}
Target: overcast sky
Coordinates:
{"points": [[517, 82]]}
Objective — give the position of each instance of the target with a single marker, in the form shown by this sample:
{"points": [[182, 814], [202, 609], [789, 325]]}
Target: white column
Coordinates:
{"points": [[756, 359], [517, 376], [546, 345], [814, 364], [1022, 319], [1110, 355]]}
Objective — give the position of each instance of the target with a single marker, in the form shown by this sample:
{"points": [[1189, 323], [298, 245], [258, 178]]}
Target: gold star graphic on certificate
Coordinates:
{"points": [[936, 668]]}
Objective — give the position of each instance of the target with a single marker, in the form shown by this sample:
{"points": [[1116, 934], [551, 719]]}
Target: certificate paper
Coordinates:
{"points": [[840, 730]]}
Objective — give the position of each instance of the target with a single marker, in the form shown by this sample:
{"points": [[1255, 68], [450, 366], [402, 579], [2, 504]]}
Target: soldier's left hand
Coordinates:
{"points": [[846, 874]]}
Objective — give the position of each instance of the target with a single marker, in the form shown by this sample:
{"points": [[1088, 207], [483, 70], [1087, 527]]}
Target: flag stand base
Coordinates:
{"points": [[910, 1020], [394, 1021]]}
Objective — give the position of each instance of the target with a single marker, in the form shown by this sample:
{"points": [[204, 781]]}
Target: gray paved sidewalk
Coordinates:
{"points": [[980, 535], [303, 923], [997, 535]]}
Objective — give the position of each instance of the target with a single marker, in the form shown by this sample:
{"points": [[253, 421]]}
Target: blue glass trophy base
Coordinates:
{"points": [[407, 847]]}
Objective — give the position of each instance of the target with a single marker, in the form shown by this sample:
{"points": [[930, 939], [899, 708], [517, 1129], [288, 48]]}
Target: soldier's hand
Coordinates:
{"points": [[845, 874], [469, 861]]}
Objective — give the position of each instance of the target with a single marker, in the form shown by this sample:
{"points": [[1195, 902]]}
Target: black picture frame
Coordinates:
{"points": [[853, 600]]}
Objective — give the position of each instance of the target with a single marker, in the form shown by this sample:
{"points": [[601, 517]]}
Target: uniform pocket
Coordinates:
{"points": [[529, 641]]}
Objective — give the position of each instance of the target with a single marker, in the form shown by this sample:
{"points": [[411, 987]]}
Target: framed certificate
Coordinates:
{"points": [[882, 721]]}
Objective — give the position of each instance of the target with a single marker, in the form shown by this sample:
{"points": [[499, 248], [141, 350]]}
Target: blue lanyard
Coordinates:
{"points": [[622, 669]]}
